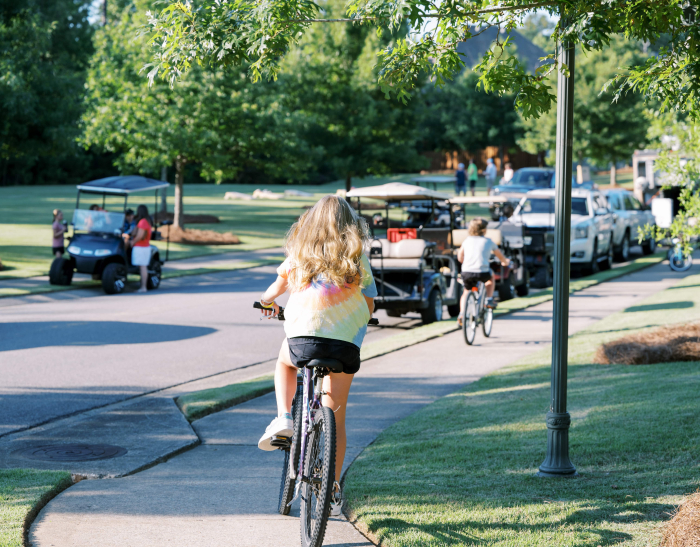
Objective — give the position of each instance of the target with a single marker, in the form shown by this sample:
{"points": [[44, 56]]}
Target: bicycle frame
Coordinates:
{"points": [[310, 403]]}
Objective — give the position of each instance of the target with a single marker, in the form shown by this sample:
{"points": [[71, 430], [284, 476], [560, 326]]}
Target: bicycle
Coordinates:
{"points": [[677, 259], [309, 460], [476, 313]]}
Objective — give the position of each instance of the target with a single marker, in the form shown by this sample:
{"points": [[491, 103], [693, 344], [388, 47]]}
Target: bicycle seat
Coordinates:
{"points": [[331, 364]]}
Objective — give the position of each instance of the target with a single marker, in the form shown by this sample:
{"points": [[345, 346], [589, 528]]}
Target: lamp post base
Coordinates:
{"points": [[557, 462]]}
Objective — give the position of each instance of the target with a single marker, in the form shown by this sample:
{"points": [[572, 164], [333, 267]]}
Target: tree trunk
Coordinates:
{"points": [[179, 179], [164, 192], [348, 183], [613, 176]]}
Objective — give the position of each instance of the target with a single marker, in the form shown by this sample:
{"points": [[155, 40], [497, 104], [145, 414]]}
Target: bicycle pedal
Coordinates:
{"points": [[281, 442]]}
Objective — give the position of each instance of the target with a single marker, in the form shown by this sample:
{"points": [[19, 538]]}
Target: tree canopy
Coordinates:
{"points": [[225, 32]]}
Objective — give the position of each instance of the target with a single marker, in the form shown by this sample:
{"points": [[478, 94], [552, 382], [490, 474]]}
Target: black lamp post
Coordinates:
{"points": [[557, 463]]}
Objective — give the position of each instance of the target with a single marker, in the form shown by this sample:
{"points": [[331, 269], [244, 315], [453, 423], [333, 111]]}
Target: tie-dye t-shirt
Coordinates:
{"points": [[324, 310]]}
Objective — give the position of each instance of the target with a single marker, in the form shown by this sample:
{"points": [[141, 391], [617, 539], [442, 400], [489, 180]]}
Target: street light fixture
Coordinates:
{"points": [[557, 462]]}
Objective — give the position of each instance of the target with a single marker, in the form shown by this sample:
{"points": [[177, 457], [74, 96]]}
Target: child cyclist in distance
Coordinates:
{"points": [[475, 255], [331, 300]]}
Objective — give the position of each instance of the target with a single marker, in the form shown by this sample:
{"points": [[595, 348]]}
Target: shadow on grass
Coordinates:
{"points": [[663, 306]]}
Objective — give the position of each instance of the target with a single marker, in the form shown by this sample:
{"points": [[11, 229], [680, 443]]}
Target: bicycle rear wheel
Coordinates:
{"points": [[488, 322], [470, 323], [319, 470], [291, 456]]}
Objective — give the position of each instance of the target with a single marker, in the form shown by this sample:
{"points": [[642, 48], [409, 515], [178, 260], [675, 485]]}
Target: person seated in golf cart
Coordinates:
{"points": [[475, 256]]}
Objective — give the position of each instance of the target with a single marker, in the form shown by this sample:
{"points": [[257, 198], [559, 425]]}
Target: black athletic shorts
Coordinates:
{"points": [[55, 249], [305, 348], [472, 184], [471, 278]]}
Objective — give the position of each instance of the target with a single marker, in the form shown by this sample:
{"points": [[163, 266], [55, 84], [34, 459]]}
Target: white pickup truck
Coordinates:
{"points": [[628, 216]]}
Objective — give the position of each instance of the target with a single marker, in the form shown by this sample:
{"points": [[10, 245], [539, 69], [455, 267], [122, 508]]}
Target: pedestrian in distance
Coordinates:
{"points": [[490, 174], [460, 180], [59, 231], [473, 176], [141, 245], [475, 256], [331, 300], [508, 173]]}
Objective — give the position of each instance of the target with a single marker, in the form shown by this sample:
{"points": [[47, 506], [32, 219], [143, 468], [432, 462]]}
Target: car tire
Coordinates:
{"points": [[433, 312], [154, 279], [61, 272], [608, 262], [543, 278], [505, 290], [622, 254], [523, 290], [114, 278], [649, 246]]}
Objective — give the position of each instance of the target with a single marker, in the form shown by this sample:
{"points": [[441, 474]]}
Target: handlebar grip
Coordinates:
{"points": [[259, 306], [373, 321]]}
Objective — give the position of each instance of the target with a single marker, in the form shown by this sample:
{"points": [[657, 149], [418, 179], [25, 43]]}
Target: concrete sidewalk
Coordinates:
{"points": [[225, 490]]}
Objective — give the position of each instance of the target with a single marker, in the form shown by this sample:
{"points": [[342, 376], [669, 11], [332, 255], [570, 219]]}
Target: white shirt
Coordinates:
{"points": [[477, 254], [507, 175]]}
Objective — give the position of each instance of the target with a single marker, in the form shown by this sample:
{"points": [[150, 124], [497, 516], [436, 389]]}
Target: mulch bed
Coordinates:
{"points": [[188, 219], [683, 530], [199, 237], [663, 345]]}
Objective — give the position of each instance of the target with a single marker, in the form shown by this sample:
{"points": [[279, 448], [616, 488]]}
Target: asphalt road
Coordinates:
{"points": [[68, 352]]}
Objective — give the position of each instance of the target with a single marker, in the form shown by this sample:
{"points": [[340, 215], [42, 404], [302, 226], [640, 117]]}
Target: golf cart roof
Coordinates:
{"points": [[122, 185], [479, 199], [397, 191]]}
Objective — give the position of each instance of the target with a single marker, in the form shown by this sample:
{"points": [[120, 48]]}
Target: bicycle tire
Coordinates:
{"points": [[680, 263], [470, 319], [488, 322], [319, 467], [287, 484]]}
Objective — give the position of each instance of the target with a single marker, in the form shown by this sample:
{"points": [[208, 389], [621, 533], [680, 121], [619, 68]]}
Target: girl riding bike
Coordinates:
{"points": [[475, 256], [331, 299]]}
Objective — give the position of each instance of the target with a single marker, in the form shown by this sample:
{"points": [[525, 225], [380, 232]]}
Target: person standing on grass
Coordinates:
{"points": [[141, 245], [460, 180], [331, 300], [508, 173], [58, 233], [490, 175], [473, 176]]}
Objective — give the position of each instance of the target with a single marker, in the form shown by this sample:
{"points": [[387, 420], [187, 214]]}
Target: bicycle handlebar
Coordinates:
{"points": [[280, 316]]}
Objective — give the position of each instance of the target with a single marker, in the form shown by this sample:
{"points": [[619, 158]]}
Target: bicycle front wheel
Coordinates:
{"points": [[291, 456], [319, 474], [488, 322], [679, 262], [470, 319]]}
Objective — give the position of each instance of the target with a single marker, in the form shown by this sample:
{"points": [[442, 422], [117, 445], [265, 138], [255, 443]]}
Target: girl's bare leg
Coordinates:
{"points": [[337, 388], [285, 380], [144, 277]]}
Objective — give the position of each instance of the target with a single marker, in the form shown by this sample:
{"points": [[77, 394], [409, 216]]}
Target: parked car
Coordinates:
{"points": [[628, 216], [591, 231], [523, 181]]}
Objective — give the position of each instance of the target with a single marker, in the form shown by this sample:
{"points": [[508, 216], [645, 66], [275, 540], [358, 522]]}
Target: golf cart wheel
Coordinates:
{"points": [[114, 278], [434, 310], [523, 290], [470, 319], [592, 267], [505, 290], [488, 322], [154, 278], [649, 246], [623, 252], [393, 313], [61, 272], [608, 262], [543, 278]]}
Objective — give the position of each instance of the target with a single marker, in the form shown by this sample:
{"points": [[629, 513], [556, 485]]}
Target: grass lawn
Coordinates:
{"points": [[25, 218], [462, 470], [22, 493], [202, 403]]}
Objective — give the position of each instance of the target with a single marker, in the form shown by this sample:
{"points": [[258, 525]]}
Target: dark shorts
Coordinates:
{"points": [[471, 278], [472, 183], [460, 188], [305, 348], [56, 249]]}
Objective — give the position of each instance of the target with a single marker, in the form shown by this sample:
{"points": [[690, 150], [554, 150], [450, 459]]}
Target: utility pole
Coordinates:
{"points": [[557, 462], [164, 193], [104, 13]]}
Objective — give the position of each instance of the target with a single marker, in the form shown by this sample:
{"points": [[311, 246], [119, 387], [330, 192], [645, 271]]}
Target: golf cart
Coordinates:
{"points": [[97, 246], [414, 268], [510, 280]]}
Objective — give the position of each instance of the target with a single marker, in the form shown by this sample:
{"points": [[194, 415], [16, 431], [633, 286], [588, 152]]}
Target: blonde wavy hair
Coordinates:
{"points": [[477, 227], [327, 240]]}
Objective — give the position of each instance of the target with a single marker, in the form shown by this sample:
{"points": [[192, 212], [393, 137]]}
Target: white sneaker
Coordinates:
{"points": [[282, 426], [336, 500]]}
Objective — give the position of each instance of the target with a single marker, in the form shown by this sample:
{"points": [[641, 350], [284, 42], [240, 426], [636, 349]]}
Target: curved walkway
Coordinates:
{"points": [[224, 492]]}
